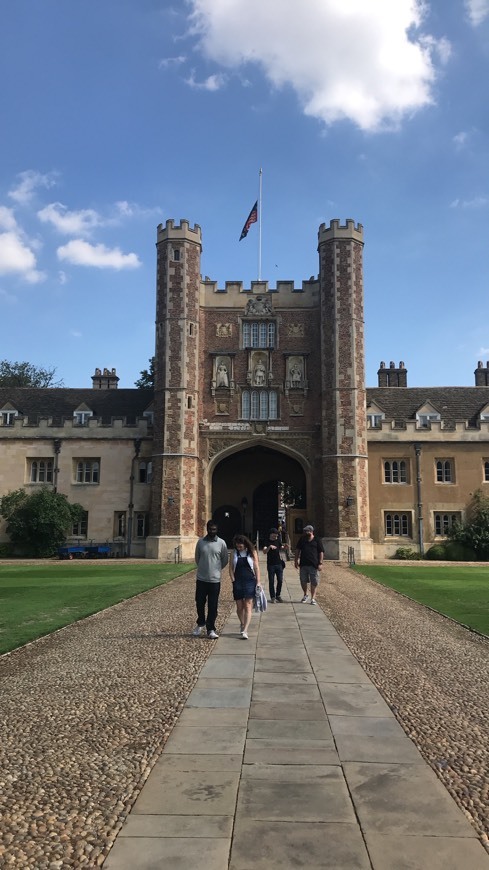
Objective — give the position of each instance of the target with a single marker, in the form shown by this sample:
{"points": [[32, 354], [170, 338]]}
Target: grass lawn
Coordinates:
{"points": [[461, 592], [39, 598]]}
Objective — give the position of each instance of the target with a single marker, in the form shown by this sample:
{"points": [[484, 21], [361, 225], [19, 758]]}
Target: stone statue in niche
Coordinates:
{"points": [[259, 374], [222, 377], [296, 371]]}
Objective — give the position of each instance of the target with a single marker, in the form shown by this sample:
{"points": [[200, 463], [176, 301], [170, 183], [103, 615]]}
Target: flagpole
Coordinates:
{"points": [[259, 226]]}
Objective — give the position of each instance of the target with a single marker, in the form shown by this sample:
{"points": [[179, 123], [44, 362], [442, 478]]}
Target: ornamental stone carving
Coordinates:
{"points": [[295, 330], [258, 307], [224, 330]]}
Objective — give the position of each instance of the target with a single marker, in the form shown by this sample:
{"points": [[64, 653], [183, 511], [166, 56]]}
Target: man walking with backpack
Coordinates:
{"points": [[309, 557]]}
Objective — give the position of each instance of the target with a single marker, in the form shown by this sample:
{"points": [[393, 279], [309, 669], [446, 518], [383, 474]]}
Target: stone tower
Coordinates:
{"points": [[344, 426], [175, 484]]}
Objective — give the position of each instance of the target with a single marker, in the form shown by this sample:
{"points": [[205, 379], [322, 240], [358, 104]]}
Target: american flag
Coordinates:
{"points": [[251, 219]]}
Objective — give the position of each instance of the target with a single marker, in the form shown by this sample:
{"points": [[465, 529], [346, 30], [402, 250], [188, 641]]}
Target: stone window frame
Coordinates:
{"points": [[445, 470], [443, 520], [88, 469], [80, 528], [398, 524], [36, 475], [396, 467], [256, 403]]}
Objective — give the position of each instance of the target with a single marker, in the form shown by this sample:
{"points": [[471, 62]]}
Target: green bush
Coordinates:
{"points": [[406, 553], [437, 552], [6, 551], [452, 551], [458, 552]]}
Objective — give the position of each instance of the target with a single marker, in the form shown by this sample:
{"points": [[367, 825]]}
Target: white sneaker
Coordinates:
{"points": [[212, 634], [313, 601], [244, 635], [304, 599], [198, 630]]}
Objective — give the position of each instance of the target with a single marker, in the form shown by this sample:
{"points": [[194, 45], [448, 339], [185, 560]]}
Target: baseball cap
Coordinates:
{"points": [[308, 528]]}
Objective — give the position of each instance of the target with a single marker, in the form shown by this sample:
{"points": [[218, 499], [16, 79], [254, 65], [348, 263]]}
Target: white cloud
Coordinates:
{"points": [[477, 11], [167, 62], [460, 139], [127, 209], [211, 83], [80, 222], [17, 258], [7, 219], [75, 333], [27, 184], [81, 253], [480, 201], [62, 277], [366, 62]]}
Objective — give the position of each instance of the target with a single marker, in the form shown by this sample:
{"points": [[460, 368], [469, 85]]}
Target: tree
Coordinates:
{"points": [[147, 379], [38, 524], [474, 532], [24, 374]]}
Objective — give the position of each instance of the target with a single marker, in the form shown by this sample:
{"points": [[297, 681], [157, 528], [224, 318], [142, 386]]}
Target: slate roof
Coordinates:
{"points": [[61, 402], [454, 404]]}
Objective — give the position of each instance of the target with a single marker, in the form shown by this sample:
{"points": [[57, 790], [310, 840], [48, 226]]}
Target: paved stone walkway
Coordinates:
{"points": [[286, 755]]}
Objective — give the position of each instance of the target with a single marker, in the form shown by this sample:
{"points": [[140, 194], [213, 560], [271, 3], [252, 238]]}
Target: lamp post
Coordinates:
{"points": [[244, 506]]}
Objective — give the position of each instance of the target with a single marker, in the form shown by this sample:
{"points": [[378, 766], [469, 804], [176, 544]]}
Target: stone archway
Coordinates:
{"points": [[245, 485]]}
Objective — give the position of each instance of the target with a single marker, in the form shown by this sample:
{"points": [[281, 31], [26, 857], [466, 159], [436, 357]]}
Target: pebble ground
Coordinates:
{"points": [[85, 712]]}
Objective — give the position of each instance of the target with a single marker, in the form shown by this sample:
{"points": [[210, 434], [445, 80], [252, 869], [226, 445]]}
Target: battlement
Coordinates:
{"points": [[349, 230], [95, 428], [285, 294], [181, 232]]}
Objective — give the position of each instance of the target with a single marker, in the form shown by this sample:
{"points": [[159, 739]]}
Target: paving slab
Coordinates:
{"points": [[217, 740], [259, 845], [353, 699], [228, 666], [426, 853], [394, 749], [266, 691], [366, 726], [312, 710], [306, 802], [179, 853], [178, 826], [281, 751], [404, 799], [200, 716], [188, 792], [200, 762], [223, 696], [289, 730]]}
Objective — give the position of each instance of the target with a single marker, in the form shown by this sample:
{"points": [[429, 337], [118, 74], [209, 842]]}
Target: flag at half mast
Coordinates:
{"points": [[251, 219]]}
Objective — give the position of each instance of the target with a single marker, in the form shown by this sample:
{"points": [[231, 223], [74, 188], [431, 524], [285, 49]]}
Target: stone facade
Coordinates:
{"points": [[260, 414]]}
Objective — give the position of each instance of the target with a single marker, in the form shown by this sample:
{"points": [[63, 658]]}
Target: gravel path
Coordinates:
{"points": [[84, 715], [433, 673], [86, 712]]}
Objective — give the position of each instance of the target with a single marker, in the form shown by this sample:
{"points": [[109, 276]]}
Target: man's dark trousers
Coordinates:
{"points": [[207, 592]]}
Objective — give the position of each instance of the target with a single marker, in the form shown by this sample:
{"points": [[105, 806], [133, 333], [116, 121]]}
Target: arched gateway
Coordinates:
{"points": [[258, 388], [257, 487]]}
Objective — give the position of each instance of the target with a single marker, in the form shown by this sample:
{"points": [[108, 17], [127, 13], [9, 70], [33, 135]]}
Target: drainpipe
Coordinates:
{"points": [[417, 448], [57, 449], [137, 450]]}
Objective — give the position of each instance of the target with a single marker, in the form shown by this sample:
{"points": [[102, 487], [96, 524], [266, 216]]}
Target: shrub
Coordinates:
{"points": [[6, 551], [406, 553], [459, 552], [437, 553]]}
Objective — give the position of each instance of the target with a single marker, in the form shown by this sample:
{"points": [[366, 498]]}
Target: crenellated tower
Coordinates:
{"points": [[175, 482], [344, 463]]}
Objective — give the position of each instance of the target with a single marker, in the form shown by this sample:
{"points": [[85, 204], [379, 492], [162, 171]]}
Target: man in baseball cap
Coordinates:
{"points": [[309, 557]]}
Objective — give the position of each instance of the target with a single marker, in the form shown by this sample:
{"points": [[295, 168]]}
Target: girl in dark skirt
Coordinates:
{"points": [[244, 571]]}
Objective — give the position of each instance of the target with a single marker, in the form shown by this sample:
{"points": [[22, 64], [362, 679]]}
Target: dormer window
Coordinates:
{"points": [[424, 421], [8, 417], [374, 421], [81, 418]]}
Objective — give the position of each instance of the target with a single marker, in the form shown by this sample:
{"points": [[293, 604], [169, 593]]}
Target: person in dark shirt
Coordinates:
{"points": [[275, 567], [309, 557]]}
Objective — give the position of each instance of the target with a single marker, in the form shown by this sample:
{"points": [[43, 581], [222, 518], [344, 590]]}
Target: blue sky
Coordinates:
{"points": [[119, 114]]}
